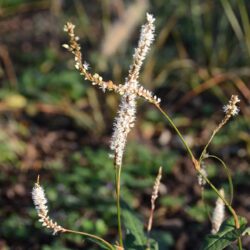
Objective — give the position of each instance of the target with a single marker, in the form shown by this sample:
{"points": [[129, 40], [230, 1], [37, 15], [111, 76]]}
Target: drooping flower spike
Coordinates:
{"points": [[40, 202]]}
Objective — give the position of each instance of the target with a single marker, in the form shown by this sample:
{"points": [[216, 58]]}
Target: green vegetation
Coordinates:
{"points": [[52, 123]]}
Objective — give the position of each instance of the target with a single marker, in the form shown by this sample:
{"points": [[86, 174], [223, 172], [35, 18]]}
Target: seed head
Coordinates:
{"points": [[40, 202], [124, 122], [125, 119], [201, 180], [218, 214], [145, 41], [231, 109], [154, 196]]}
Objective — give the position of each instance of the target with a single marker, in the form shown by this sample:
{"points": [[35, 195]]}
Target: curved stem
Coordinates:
{"points": [[236, 220], [197, 164], [177, 131], [228, 175], [118, 184], [90, 236]]}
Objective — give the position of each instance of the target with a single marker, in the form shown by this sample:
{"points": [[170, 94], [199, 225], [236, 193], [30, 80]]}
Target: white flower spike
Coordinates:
{"points": [[40, 202]]}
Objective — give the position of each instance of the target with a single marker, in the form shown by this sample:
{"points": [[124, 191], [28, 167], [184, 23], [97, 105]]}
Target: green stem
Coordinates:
{"points": [[91, 236], [205, 148], [228, 175], [236, 220], [240, 243], [177, 131], [197, 166], [118, 185]]}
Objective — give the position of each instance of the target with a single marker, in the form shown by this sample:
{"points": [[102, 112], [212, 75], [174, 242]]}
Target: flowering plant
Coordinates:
{"points": [[124, 122]]}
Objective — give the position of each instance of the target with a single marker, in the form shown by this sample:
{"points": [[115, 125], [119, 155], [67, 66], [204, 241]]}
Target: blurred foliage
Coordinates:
{"points": [[54, 124]]}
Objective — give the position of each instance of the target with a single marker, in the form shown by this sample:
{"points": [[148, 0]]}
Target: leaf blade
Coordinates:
{"points": [[135, 238], [227, 234]]}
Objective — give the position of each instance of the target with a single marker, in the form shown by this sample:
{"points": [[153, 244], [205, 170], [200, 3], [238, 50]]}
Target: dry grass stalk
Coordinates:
{"points": [[153, 198], [123, 28]]}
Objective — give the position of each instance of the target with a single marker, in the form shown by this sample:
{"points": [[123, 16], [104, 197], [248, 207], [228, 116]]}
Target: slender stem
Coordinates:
{"points": [[205, 148], [228, 175], [236, 220], [118, 185], [149, 228], [204, 201], [197, 167], [240, 243], [222, 123], [90, 236], [177, 131]]}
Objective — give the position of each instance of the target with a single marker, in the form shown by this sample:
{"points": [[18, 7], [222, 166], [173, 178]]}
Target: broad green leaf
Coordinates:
{"points": [[227, 234], [135, 238], [130, 243]]}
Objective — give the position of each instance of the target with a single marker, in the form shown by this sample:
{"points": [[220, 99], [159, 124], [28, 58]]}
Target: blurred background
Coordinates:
{"points": [[55, 124]]}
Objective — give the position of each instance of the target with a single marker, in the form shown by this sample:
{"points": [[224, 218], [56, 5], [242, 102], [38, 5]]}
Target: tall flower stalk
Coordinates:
{"points": [[230, 110], [126, 115], [125, 119]]}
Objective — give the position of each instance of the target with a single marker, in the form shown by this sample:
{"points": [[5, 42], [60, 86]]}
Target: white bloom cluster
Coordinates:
{"points": [[148, 95], [39, 199], [85, 65], [231, 109], [40, 203], [126, 114], [146, 39], [201, 180], [123, 123], [218, 214]]}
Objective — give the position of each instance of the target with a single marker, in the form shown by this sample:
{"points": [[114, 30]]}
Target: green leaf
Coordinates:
{"points": [[135, 238], [227, 234], [164, 239], [130, 243], [153, 244]]}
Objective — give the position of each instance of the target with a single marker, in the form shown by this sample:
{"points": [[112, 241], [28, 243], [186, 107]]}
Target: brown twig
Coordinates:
{"points": [[8, 65]]}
